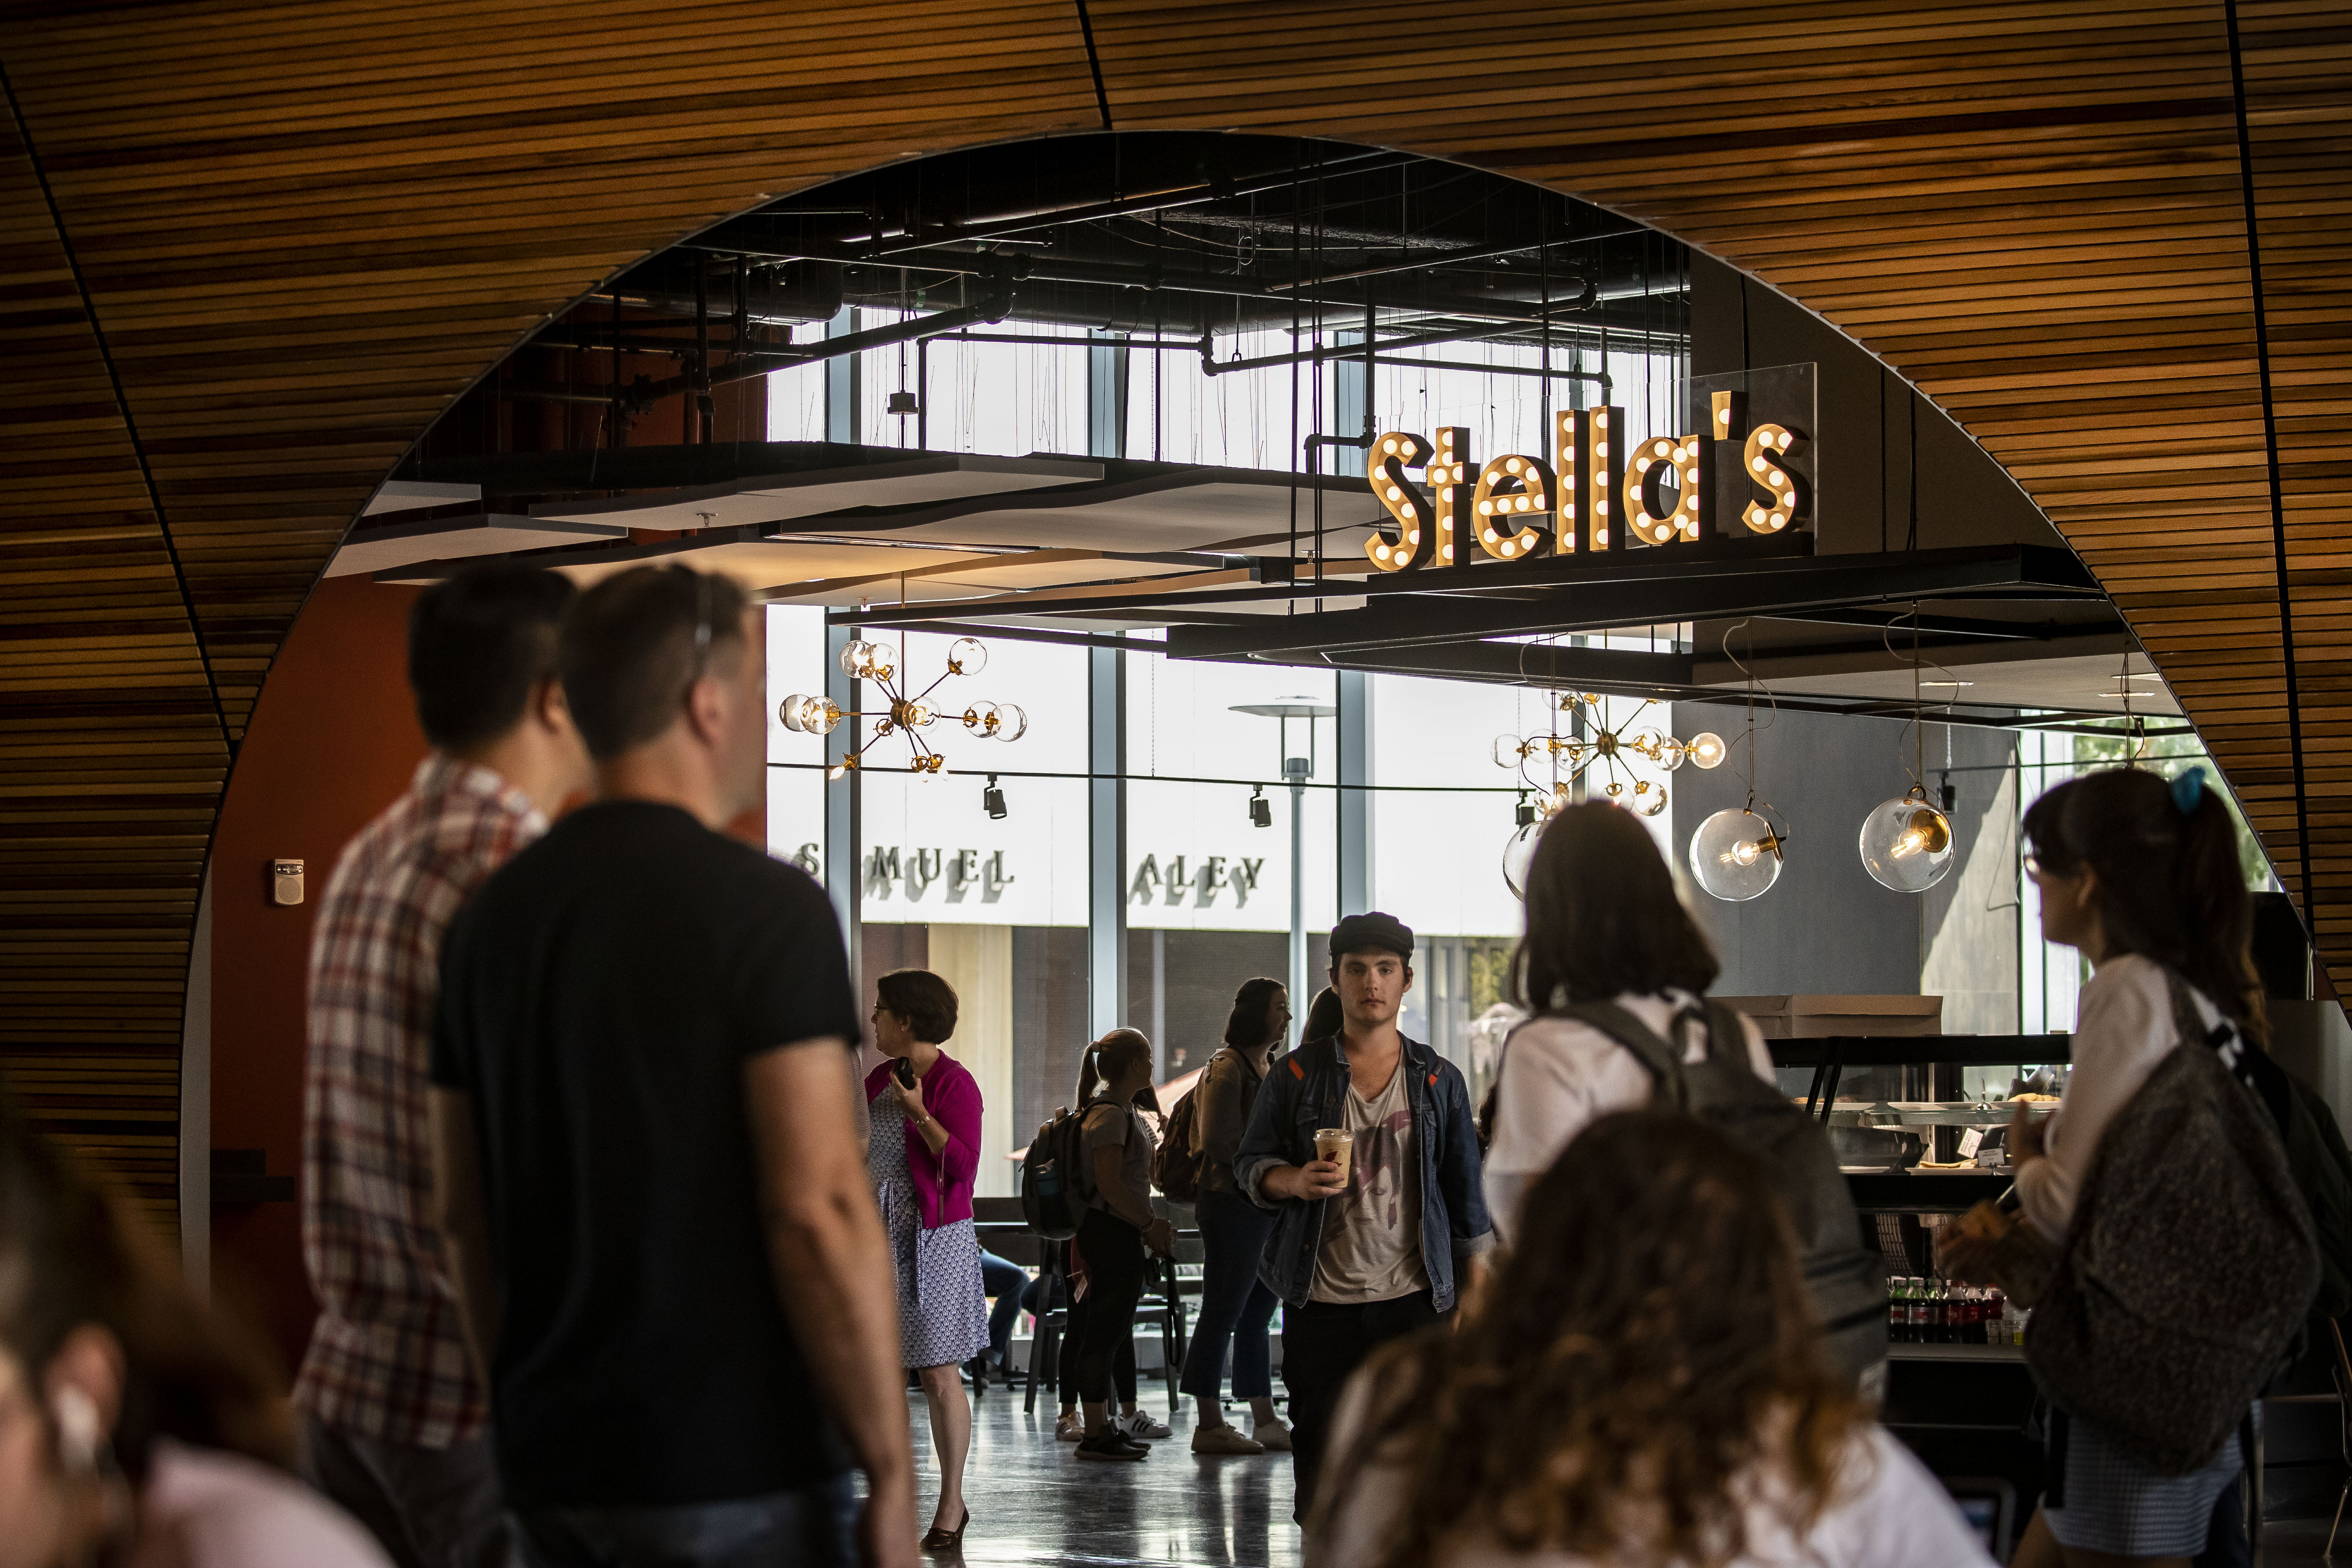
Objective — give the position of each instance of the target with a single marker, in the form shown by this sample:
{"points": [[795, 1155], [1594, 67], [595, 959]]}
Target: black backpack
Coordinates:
{"points": [[1053, 1201], [1846, 1281], [1176, 1165], [2315, 1158]]}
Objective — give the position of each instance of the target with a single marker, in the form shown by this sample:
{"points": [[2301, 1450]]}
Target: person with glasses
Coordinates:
{"points": [[647, 1168], [2142, 875]]}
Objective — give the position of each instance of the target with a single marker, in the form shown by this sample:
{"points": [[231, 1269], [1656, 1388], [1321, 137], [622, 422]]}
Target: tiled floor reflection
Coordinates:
{"points": [[1034, 1502]]}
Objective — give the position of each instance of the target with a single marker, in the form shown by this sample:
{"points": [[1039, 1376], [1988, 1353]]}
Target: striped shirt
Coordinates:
{"points": [[387, 1357]]}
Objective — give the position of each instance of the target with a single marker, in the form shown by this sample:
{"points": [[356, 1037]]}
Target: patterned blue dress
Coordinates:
{"points": [[942, 1305]]}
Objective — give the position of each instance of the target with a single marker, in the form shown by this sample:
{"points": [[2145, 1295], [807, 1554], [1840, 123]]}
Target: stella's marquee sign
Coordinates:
{"points": [[1593, 494]]}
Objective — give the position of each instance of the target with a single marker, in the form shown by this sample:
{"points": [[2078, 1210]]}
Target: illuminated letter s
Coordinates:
{"points": [[1414, 539]]}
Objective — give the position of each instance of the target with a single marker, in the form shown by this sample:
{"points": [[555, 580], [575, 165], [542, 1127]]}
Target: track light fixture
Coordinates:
{"points": [[993, 800], [1261, 809]]}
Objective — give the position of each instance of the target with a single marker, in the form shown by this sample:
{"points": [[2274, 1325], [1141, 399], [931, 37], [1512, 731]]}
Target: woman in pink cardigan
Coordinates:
{"points": [[923, 1161]]}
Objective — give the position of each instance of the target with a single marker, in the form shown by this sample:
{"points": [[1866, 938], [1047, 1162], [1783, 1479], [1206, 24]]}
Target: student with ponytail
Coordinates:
{"points": [[1114, 1078], [2142, 874]]}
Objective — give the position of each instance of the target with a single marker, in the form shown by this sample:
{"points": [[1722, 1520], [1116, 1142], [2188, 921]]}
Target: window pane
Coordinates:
{"points": [[1207, 891], [996, 906]]}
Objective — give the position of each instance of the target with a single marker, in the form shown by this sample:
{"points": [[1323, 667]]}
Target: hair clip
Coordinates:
{"points": [[2189, 790]]}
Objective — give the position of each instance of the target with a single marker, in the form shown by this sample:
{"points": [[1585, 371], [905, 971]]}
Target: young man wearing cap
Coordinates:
{"points": [[1373, 1247]]}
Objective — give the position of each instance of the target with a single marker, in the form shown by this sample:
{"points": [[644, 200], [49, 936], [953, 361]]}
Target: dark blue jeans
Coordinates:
{"points": [[1004, 1279], [815, 1527], [1235, 1304]]}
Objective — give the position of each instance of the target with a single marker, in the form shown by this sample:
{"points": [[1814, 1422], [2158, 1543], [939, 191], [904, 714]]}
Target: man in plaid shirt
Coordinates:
{"points": [[393, 1408]]}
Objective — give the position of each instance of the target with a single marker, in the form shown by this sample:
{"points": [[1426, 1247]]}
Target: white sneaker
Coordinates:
{"points": [[1140, 1426], [1272, 1435], [1069, 1427]]}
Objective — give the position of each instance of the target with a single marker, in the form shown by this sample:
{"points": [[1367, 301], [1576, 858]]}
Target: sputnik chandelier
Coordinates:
{"points": [[907, 715], [1564, 760], [1591, 742]]}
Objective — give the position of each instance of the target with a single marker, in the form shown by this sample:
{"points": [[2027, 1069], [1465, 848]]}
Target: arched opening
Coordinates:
{"points": [[1100, 401]]}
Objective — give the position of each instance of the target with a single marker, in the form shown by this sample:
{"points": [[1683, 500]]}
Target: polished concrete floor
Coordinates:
{"points": [[1034, 1502]]}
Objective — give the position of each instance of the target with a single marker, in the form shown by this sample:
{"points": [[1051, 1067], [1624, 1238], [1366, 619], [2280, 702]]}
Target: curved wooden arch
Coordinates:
{"points": [[251, 250]]}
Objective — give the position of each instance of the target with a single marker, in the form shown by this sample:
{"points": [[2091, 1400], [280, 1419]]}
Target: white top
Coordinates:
{"points": [[1560, 1076], [205, 1509], [2126, 1028], [1885, 1511]]}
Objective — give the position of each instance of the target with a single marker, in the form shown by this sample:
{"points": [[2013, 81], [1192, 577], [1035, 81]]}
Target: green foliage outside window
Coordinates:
{"points": [[2168, 755]]}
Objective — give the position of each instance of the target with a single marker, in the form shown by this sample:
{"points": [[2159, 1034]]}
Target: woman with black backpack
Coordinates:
{"points": [[1615, 971], [1603, 926], [2158, 1175], [1116, 1146]]}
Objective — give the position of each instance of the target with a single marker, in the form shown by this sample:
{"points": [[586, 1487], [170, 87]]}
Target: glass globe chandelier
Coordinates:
{"points": [[1907, 843], [908, 713], [1736, 854]]}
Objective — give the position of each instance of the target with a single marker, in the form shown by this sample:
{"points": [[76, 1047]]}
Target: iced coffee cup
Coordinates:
{"points": [[1337, 1145]]}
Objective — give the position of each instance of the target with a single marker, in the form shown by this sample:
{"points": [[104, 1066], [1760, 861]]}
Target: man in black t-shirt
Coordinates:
{"points": [[646, 1166]]}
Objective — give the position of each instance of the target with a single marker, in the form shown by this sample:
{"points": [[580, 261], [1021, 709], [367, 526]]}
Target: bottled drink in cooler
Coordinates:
{"points": [[1898, 1310]]}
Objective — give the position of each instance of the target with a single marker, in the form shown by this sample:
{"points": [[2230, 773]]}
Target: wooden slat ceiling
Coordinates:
{"points": [[306, 229]]}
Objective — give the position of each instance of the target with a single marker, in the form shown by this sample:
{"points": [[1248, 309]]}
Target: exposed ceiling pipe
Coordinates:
{"points": [[1005, 224], [994, 309], [1443, 258], [1048, 270], [1211, 366], [543, 392]]}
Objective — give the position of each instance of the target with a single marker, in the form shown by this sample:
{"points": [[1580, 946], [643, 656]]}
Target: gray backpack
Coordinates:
{"points": [[1846, 1281], [2187, 1271]]}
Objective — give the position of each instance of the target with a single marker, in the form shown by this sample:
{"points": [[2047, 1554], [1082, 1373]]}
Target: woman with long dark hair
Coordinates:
{"points": [[1114, 1081], [1323, 1017], [1236, 1306], [2142, 877], [136, 1426], [1603, 925], [1640, 1385]]}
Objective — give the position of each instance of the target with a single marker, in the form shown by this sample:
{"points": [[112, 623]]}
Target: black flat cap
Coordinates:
{"points": [[1357, 932]]}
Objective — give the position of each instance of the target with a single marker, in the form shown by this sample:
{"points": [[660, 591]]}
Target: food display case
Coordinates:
{"points": [[1902, 1111], [1902, 1108]]}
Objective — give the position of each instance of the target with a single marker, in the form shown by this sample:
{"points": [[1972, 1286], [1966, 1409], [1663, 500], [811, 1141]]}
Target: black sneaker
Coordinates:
{"points": [[1111, 1446]]}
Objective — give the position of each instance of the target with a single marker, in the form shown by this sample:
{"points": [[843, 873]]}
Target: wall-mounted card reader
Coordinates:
{"points": [[286, 882]]}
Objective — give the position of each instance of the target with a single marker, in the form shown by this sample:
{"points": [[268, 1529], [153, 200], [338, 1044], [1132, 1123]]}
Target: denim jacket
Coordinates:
{"points": [[1308, 1089]]}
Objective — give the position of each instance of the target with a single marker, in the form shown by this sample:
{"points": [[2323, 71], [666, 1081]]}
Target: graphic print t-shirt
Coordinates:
{"points": [[1371, 1232]]}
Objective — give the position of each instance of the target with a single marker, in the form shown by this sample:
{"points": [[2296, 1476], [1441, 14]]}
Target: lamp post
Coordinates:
{"points": [[1294, 771]]}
